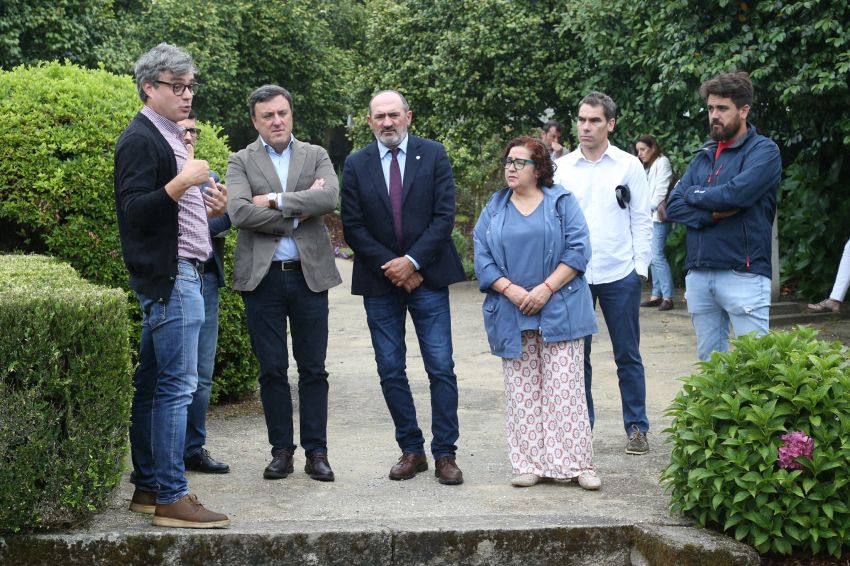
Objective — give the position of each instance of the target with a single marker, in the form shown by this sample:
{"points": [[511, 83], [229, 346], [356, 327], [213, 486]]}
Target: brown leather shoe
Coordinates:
{"points": [[143, 502], [666, 305], [651, 302], [447, 471], [187, 512], [317, 466], [408, 466], [280, 466]]}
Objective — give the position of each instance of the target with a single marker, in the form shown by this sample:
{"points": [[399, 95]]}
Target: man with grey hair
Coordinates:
{"points": [[165, 242], [281, 188], [611, 187], [398, 207]]}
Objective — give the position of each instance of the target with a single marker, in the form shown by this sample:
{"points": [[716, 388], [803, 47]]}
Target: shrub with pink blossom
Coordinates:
{"points": [[760, 444]]}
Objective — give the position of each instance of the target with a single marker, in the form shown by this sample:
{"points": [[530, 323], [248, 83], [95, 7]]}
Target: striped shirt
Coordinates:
{"points": [[193, 233]]}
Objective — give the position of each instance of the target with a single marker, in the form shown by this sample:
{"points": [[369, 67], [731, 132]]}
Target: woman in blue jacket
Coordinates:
{"points": [[531, 250]]}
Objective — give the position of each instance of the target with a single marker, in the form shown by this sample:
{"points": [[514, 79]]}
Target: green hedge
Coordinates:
{"points": [[737, 464], [58, 128], [65, 393]]}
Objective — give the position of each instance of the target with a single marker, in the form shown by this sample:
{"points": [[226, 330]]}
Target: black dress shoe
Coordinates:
{"points": [[317, 466], [204, 463], [651, 302], [280, 466]]}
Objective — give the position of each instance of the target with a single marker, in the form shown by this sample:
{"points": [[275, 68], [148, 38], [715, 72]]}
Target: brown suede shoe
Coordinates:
{"points": [[143, 502], [408, 466], [651, 302], [447, 471], [187, 512], [666, 305]]}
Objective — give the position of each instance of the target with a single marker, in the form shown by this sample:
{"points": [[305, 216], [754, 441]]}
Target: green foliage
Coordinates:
{"points": [[58, 127], [810, 242], [238, 46], [33, 30], [474, 74], [65, 392], [726, 431]]}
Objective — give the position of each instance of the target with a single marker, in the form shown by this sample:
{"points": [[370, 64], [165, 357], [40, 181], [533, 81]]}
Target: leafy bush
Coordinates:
{"points": [[65, 392], [58, 128], [727, 429]]}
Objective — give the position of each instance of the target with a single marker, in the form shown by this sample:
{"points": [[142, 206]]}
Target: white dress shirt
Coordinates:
{"points": [[619, 238], [386, 160]]}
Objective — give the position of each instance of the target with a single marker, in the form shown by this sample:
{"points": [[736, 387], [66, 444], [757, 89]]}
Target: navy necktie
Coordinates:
{"points": [[395, 195]]}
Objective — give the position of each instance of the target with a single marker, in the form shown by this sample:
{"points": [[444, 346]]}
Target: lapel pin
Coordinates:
{"points": [[417, 157]]}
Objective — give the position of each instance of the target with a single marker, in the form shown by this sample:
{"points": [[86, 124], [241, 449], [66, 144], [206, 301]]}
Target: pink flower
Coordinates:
{"points": [[795, 444]]}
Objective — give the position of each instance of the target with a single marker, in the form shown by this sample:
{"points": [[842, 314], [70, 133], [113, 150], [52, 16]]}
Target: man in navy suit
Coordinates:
{"points": [[398, 206]]}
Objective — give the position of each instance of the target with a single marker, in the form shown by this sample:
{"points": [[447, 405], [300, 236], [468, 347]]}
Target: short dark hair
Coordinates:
{"points": [[553, 124], [735, 86], [652, 144], [543, 164], [267, 92], [596, 98], [191, 115]]}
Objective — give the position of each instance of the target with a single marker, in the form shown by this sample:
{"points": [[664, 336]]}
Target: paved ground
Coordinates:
{"points": [[363, 504], [362, 447]]}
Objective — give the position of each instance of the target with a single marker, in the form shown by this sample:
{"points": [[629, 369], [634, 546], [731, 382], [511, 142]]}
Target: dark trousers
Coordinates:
{"points": [[283, 295], [431, 316], [620, 302]]}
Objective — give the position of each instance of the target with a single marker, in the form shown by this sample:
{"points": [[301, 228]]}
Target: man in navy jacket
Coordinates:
{"points": [[398, 205], [727, 199]]}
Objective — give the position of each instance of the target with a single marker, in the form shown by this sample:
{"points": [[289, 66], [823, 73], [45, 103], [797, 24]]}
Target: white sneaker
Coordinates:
{"points": [[525, 480], [589, 481]]}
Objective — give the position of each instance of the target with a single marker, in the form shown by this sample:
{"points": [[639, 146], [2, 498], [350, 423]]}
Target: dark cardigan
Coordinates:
{"points": [[147, 216]]}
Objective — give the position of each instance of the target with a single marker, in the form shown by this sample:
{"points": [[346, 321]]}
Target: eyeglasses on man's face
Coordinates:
{"points": [[517, 163], [179, 88], [194, 132]]}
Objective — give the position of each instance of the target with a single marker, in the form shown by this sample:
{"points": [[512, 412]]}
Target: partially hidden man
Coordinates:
{"points": [[280, 188], [165, 240], [398, 206]]}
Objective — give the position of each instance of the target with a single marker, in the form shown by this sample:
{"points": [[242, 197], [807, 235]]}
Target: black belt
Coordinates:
{"points": [[286, 265], [201, 266]]}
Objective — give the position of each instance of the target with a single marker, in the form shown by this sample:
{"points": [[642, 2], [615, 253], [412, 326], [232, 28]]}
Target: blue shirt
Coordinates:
{"points": [[286, 248], [386, 161], [522, 237]]}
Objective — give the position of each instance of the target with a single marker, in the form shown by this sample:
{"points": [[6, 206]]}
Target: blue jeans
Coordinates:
{"points": [[283, 295], [717, 297], [196, 430], [620, 302], [662, 277], [165, 382], [430, 311]]}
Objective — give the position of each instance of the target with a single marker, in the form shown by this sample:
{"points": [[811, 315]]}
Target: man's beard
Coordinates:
{"points": [[727, 132]]}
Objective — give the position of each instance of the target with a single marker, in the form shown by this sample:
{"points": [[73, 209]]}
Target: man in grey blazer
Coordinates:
{"points": [[280, 188]]}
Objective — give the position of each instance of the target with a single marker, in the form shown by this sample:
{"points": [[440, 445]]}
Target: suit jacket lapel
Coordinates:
{"points": [[411, 165], [375, 172], [264, 163], [296, 164]]}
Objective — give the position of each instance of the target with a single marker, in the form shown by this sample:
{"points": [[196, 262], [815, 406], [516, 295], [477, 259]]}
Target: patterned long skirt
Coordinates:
{"points": [[548, 427]]}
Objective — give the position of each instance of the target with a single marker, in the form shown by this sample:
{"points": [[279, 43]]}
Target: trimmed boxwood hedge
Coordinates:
{"points": [[58, 128], [65, 393]]}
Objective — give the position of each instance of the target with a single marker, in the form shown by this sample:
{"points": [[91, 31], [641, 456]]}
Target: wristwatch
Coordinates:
{"points": [[272, 200]]}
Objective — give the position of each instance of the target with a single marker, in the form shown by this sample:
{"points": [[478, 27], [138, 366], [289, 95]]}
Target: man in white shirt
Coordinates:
{"points": [[610, 185]]}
